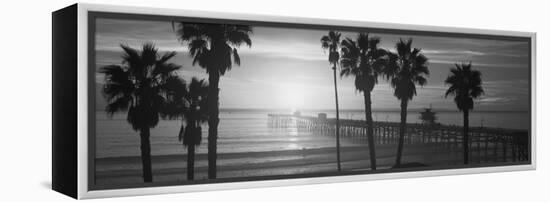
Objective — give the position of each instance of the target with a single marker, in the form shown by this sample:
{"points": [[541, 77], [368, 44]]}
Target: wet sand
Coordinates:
{"points": [[172, 168]]}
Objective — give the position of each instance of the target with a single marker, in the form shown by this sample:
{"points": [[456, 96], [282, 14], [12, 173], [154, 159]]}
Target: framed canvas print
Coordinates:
{"points": [[149, 101]]}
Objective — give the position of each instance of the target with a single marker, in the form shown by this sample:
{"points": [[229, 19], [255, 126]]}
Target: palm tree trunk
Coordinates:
{"points": [[337, 121], [213, 121], [370, 135], [402, 129], [465, 137], [191, 161], [146, 155]]}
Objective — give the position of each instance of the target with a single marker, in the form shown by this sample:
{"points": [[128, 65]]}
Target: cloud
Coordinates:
{"points": [[280, 57], [453, 52], [477, 64], [494, 100]]}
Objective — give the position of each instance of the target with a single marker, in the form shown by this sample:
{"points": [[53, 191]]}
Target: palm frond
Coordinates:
{"points": [[213, 46], [190, 31], [181, 133], [167, 56], [239, 34], [331, 42], [143, 85], [406, 68], [236, 57], [132, 59], [149, 55], [120, 104], [363, 59], [115, 73], [325, 42], [465, 84]]}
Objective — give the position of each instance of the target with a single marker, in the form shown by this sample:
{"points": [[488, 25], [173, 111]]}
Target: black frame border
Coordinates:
{"points": [[64, 101]]}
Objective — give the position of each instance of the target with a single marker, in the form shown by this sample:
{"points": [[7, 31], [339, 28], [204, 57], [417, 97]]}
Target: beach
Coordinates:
{"points": [[256, 164]]}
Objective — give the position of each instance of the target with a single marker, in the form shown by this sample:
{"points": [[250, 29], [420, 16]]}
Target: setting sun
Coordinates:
{"points": [[291, 96]]}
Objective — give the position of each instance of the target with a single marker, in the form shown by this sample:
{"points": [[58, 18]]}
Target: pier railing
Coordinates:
{"points": [[485, 143]]}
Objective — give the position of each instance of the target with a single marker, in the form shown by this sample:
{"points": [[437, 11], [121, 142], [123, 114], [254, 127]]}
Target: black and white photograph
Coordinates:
{"points": [[184, 101], [275, 101]]}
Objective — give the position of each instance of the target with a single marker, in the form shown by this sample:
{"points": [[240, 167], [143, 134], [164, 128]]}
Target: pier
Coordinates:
{"points": [[486, 144]]}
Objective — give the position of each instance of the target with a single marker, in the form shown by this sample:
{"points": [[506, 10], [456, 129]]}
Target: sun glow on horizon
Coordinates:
{"points": [[291, 96]]}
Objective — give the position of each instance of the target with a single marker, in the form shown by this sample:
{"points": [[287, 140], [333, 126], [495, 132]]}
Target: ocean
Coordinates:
{"points": [[242, 131]]}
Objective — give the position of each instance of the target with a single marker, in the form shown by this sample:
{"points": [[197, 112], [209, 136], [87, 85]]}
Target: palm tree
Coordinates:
{"points": [[214, 48], [190, 105], [405, 69], [364, 60], [195, 115], [332, 43], [465, 85], [140, 86]]}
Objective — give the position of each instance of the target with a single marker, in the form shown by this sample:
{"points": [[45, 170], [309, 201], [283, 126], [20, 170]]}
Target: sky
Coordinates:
{"points": [[286, 68]]}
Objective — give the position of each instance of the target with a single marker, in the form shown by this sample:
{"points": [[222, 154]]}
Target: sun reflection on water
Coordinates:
{"points": [[293, 146]]}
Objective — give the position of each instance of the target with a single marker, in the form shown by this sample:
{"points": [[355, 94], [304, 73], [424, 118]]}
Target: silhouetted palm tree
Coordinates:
{"points": [[214, 48], [190, 105], [405, 69], [140, 86], [364, 60], [195, 115], [332, 43], [465, 86]]}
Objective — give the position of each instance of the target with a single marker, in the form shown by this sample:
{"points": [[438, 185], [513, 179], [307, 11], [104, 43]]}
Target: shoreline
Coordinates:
{"points": [[168, 168]]}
